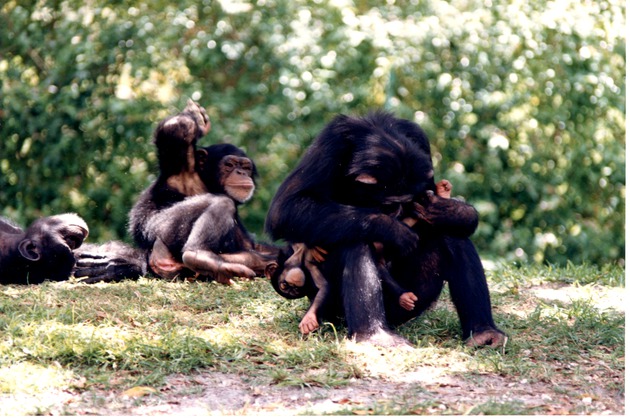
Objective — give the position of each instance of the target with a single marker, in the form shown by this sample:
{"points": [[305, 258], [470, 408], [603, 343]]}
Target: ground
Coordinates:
{"points": [[523, 380]]}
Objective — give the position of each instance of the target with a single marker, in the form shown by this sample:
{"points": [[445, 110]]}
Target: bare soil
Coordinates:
{"points": [[212, 393]]}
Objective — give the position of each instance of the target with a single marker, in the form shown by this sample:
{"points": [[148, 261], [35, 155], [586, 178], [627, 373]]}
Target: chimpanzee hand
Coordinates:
{"points": [[318, 254], [395, 235], [448, 216], [443, 188], [309, 323], [200, 116], [407, 300], [112, 261]]}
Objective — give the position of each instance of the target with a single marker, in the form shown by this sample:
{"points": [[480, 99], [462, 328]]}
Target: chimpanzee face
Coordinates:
{"points": [[236, 177], [226, 169], [388, 171], [48, 245]]}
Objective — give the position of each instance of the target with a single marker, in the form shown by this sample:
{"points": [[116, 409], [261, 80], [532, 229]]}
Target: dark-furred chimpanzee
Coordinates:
{"points": [[348, 192], [44, 251], [297, 275], [187, 220]]}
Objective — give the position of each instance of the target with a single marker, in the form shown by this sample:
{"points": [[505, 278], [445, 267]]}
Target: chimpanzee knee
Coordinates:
{"points": [[214, 227]]}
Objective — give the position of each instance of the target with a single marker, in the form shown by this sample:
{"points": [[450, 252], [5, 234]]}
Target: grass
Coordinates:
{"points": [[82, 339]]}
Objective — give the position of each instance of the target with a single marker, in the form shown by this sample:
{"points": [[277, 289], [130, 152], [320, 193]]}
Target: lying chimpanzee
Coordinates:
{"points": [[41, 252], [346, 194]]}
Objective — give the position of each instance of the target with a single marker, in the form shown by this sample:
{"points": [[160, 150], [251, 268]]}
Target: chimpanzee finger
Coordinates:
{"points": [[319, 254]]}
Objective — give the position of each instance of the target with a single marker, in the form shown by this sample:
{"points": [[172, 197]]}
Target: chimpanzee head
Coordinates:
{"points": [[226, 169], [47, 245], [391, 163], [289, 278]]}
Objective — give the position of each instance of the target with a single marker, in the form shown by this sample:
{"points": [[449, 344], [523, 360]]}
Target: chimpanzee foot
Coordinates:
{"points": [[236, 270], [166, 271], [165, 268], [200, 115], [224, 279], [209, 264], [384, 338], [492, 338]]}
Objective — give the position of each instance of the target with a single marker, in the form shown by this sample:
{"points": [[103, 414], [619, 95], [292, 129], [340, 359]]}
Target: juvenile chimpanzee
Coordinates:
{"points": [[176, 141], [347, 192], [187, 220], [41, 252], [203, 233], [176, 138]]}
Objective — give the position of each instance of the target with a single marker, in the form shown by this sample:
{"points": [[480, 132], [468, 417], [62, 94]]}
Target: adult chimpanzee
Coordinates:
{"points": [[41, 252], [296, 272], [349, 191], [187, 220]]}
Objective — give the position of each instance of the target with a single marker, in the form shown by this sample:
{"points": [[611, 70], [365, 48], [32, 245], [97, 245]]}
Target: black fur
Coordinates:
{"points": [[44, 251], [322, 203]]}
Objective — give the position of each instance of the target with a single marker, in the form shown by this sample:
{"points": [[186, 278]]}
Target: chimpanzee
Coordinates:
{"points": [[188, 220], [41, 252], [297, 275], [347, 192], [176, 138], [203, 233]]}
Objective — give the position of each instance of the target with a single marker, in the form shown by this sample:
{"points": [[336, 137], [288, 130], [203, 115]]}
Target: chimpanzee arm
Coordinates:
{"points": [[176, 138], [297, 218], [112, 261], [448, 216], [309, 321]]}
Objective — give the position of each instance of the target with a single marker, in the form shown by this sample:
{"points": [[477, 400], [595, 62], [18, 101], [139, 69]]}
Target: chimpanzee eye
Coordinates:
{"points": [[366, 179], [73, 241]]}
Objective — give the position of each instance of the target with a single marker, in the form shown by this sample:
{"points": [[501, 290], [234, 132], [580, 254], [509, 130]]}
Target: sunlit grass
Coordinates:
{"points": [[76, 337], [31, 378]]}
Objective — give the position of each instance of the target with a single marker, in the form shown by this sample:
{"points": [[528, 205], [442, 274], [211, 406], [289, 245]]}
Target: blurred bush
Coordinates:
{"points": [[524, 103]]}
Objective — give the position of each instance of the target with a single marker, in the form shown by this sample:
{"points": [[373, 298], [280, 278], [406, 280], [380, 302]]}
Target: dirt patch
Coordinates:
{"points": [[600, 297], [427, 390]]}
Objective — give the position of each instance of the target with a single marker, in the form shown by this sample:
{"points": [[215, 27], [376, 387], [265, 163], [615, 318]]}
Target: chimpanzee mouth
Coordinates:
{"points": [[398, 199]]}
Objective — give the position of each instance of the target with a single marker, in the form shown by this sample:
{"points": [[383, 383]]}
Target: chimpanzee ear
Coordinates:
{"points": [[29, 250], [201, 157], [366, 179], [270, 269]]}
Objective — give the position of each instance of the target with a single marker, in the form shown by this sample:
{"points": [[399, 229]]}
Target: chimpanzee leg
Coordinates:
{"points": [[419, 273], [216, 231], [469, 292], [195, 231], [111, 261], [363, 298]]}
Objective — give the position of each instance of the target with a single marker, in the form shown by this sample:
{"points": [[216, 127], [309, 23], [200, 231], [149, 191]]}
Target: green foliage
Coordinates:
{"points": [[524, 103]]}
